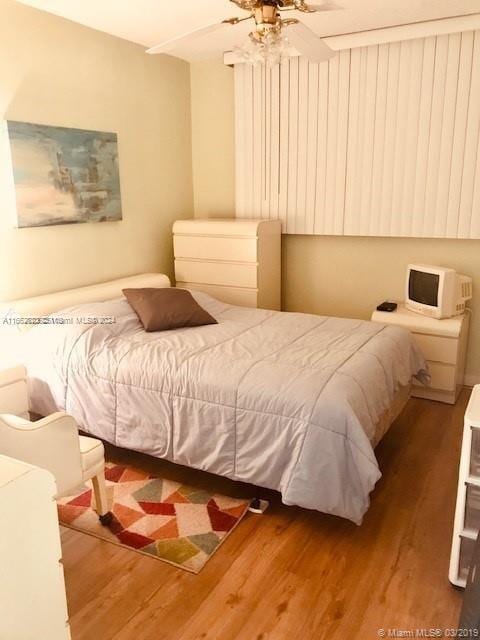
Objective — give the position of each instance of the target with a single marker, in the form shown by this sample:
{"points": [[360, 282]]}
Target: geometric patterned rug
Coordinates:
{"points": [[166, 520]]}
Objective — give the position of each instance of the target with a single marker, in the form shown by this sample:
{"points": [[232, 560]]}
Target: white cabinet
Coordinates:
{"points": [[467, 513], [444, 345], [33, 605], [237, 261]]}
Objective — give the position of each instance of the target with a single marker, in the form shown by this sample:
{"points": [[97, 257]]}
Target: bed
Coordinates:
{"points": [[287, 401]]}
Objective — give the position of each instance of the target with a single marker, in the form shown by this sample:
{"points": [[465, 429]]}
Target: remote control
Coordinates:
{"points": [[387, 306]]}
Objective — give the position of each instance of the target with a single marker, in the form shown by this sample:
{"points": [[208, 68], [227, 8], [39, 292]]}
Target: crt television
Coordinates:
{"points": [[437, 292]]}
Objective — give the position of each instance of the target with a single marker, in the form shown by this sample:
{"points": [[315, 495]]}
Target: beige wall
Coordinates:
{"points": [[56, 72], [213, 138], [326, 275]]}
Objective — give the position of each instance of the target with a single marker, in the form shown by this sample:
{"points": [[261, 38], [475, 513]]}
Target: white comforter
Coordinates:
{"points": [[282, 400]]}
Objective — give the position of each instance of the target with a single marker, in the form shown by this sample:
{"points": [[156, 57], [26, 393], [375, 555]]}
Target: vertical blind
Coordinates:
{"points": [[381, 140]]}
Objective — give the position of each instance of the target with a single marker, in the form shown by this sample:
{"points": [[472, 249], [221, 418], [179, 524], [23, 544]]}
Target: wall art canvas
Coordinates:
{"points": [[63, 175]]}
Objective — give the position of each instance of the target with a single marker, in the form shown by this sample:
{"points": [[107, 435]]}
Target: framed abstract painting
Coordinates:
{"points": [[63, 175]]}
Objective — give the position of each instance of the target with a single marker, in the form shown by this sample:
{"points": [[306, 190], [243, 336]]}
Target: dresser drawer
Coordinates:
{"points": [[216, 248], [443, 377], [437, 348], [232, 274], [230, 295]]}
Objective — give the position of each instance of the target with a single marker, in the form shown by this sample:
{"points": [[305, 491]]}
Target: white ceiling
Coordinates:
{"points": [[148, 22]]}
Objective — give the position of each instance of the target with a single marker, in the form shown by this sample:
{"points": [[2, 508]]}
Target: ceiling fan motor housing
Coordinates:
{"points": [[266, 14]]}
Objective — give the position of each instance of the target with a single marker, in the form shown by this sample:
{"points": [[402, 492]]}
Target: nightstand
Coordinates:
{"points": [[444, 345], [13, 391]]}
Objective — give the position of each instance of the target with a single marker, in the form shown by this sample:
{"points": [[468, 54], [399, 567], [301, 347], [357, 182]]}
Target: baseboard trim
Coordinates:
{"points": [[471, 379]]}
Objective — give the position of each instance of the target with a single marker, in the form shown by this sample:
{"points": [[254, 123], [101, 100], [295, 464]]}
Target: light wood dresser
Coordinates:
{"points": [[444, 345], [236, 261]]}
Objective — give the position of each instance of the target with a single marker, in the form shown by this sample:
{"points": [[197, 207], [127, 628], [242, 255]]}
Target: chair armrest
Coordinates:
{"points": [[51, 443], [15, 422], [13, 391], [12, 375]]}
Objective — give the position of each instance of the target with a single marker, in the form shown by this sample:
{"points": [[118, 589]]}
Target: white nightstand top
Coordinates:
{"points": [[402, 317], [11, 469]]}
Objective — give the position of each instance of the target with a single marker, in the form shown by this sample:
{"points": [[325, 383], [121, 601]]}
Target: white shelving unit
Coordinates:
{"points": [[467, 513]]}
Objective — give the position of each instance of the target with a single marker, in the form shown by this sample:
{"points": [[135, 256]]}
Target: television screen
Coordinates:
{"points": [[423, 287]]}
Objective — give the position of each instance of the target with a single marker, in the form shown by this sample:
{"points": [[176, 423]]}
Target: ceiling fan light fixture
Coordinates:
{"points": [[266, 49]]}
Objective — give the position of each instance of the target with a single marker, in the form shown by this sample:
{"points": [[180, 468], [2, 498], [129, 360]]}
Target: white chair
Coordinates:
{"points": [[53, 443]]}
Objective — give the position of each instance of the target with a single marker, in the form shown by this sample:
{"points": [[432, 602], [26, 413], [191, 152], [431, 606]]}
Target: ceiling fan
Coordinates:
{"points": [[273, 36]]}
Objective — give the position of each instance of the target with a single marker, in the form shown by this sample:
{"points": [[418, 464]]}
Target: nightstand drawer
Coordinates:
{"points": [[231, 274], [444, 377], [437, 348], [216, 248]]}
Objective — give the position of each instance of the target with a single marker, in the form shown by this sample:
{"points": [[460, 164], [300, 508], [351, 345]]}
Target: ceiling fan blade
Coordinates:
{"points": [[307, 43], [191, 36], [325, 6]]}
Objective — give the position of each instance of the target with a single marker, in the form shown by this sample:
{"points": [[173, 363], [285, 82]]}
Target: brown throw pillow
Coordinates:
{"points": [[164, 309]]}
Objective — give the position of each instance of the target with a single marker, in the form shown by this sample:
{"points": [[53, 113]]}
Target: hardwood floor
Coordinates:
{"points": [[293, 573]]}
